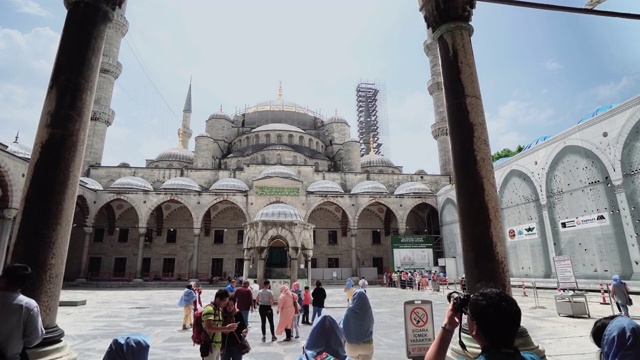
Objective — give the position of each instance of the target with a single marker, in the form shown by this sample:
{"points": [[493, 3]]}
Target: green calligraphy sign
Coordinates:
{"points": [[277, 191]]}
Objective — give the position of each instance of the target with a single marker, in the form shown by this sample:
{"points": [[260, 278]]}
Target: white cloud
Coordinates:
{"points": [[29, 7], [612, 91], [516, 123], [552, 65]]}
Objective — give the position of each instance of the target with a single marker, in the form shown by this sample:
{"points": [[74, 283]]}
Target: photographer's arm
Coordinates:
{"points": [[438, 350]]}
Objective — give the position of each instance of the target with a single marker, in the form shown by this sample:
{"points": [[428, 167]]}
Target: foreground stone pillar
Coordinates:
{"points": [[294, 253], [261, 265], [196, 251], [478, 206], [48, 200], [141, 237], [6, 225], [354, 252], [85, 254]]}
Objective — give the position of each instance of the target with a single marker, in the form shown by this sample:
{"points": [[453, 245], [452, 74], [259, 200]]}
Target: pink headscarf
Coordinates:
{"points": [[295, 286], [284, 289]]}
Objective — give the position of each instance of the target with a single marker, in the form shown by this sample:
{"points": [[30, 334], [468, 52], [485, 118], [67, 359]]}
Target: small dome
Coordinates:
{"points": [[20, 150], [325, 186], [278, 171], [372, 160], [176, 154], [278, 212], [219, 115], [337, 119], [205, 135], [277, 127], [369, 187], [90, 183], [596, 112], [412, 188], [536, 142], [229, 184], [180, 183], [131, 183], [420, 172], [278, 147], [124, 164]]}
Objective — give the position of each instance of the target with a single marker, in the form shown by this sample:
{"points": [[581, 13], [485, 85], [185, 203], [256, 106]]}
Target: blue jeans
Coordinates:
{"points": [[625, 309], [245, 315], [316, 311], [232, 353]]}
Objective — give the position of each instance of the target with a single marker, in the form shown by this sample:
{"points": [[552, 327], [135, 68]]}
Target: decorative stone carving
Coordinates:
{"points": [[437, 12], [438, 130]]}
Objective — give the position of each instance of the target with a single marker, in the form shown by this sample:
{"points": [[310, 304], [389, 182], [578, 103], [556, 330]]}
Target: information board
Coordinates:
{"points": [[419, 331], [564, 272], [412, 252]]}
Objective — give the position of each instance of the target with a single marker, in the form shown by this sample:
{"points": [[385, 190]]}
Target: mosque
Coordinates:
{"points": [[277, 191]]}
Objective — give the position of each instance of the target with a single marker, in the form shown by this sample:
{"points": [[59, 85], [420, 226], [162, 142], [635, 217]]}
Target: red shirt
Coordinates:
{"points": [[306, 298], [244, 298]]}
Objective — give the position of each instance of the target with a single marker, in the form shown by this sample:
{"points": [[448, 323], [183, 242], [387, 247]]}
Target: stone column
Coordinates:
{"points": [[307, 255], [261, 265], [549, 236], [141, 238], [630, 235], [478, 205], [196, 251], [354, 252], [51, 185], [247, 264], [6, 225], [85, 253]]}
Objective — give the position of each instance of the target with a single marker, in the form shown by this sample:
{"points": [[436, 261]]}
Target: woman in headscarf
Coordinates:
{"points": [[617, 337], [295, 288], [349, 289], [325, 341], [357, 327], [231, 341], [128, 347], [620, 294], [287, 310]]}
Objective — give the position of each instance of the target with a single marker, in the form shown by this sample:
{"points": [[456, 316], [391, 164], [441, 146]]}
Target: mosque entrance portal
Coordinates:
{"points": [[277, 256]]}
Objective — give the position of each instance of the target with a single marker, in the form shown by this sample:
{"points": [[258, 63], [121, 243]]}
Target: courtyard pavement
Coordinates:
{"points": [[113, 312]]}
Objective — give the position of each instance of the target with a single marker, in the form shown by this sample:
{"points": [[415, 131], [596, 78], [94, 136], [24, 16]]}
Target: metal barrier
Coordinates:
{"points": [[536, 299]]}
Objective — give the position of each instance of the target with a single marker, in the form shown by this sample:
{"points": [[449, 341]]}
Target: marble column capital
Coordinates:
{"points": [[105, 4], [142, 231], [438, 13], [88, 230], [196, 232], [9, 213], [618, 188]]}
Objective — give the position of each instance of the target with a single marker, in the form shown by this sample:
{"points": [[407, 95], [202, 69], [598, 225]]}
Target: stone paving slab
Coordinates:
{"points": [[112, 312]]}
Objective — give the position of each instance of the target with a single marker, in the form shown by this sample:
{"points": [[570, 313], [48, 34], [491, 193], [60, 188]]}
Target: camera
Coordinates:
{"points": [[460, 301]]}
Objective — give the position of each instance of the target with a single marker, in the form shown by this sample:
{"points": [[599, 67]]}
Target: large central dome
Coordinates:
{"points": [[279, 111]]}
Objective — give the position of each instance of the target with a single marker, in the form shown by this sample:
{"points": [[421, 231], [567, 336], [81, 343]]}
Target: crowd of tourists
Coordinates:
{"points": [[417, 280]]}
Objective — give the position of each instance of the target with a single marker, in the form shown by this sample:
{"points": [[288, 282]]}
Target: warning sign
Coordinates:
{"points": [[418, 327]]}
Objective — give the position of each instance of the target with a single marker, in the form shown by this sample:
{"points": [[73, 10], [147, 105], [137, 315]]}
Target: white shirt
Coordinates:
{"points": [[21, 324], [363, 284], [254, 290]]}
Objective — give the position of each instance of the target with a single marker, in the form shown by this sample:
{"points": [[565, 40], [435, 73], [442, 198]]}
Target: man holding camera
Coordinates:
{"points": [[493, 319]]}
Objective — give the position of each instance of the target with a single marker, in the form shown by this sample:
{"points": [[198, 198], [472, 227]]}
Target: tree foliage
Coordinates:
{"points": [[506, 152]]}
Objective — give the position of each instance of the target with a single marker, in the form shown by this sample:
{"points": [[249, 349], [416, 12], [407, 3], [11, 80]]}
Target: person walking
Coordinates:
{"points": [[254, 293], [21, 325], [287, 305], [357, 326], [244, 300], [197, 303], [620, 294], [364, 284], [295, 288], [265, 301], [186, 302], [349, 289], [306, 302], [231, 287], [319, 295], [231, 341]]}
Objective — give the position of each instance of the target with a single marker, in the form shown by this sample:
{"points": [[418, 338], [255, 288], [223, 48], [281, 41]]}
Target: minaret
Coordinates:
{"points": [[184, 133], [439, 130], [102, 115]]}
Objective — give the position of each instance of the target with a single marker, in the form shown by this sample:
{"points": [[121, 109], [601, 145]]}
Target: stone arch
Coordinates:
{"points": [[174, 198], [450, 230], [525, 171], [8, 196], [410, 203], [83, 205], [525, 233], [207, 206], [280, 232], [625, 134], [95, 209], [430, 224], [372, 201], [322, 201], [601, 246], [574, 143], [630, 168]]}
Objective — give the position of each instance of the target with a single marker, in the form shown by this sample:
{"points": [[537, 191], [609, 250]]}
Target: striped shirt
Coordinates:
{"points": [[211, 312]]}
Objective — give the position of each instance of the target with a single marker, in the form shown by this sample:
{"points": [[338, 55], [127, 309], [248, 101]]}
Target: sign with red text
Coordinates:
{"points": [[418, 327]]}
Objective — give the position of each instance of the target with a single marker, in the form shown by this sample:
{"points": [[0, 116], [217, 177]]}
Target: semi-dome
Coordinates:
{"points": [[337, 119], [280, 105], [369, 187], [229, 184], [412, 188], [176, 154], [219, 115], [278, 212], [325, 186], [277, 127], [131, 183], [277, 171], [20, 150], [90, 183], [124, 164], [372, 160], [180, 183]]}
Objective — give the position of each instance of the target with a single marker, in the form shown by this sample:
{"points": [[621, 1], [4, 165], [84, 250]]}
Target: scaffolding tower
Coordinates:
{"points": [[373, 128]]}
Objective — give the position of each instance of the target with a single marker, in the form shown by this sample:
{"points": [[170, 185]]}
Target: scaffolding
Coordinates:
{"points": [[373, 127]]}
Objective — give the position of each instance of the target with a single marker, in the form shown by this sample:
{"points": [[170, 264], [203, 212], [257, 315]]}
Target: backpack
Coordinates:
{"points": [[198, 334]]}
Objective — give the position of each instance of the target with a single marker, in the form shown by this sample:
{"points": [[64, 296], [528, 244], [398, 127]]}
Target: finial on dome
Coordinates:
{"points": [[336, 112], [221, 109], [371, 144], [280, 92], [17, 136]]}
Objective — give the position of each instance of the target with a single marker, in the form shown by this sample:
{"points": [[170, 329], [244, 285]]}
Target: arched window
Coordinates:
{"points": [[246, 141], [268, 139], [311, 143], [290, 139], [263, 159], [278, 159], [224, 165], [305, 162], [317, 166], [256, 139], [239, 164], [317, 146], [321, 147], [279, 139], [294, 160], [301, 141]]}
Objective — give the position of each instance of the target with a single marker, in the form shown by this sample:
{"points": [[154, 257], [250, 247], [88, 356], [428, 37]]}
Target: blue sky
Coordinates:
{"points": [[540, 72]]}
